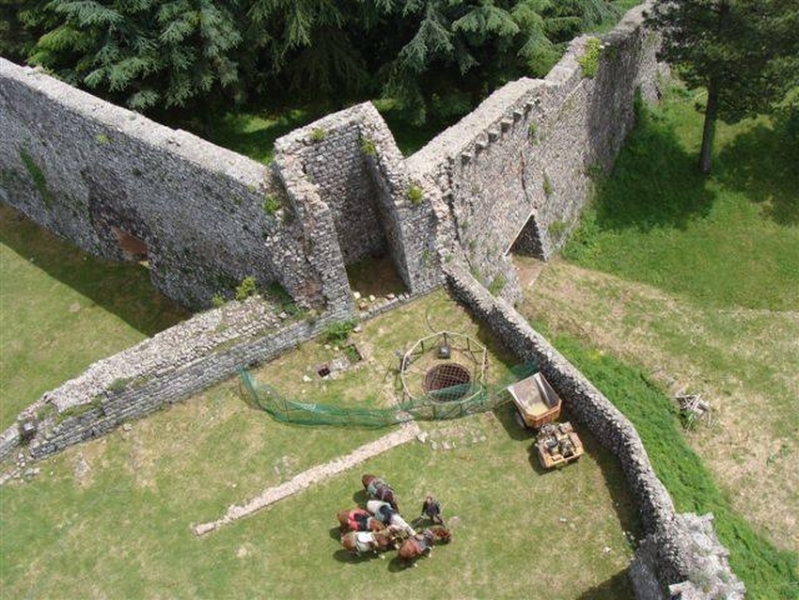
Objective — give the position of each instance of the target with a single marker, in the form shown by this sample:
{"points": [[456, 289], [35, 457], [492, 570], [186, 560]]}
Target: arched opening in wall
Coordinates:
{"points": [[133, 249], [527, 253]]}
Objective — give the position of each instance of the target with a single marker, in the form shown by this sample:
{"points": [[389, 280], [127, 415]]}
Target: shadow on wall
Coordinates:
{"points": [[123, 289]]}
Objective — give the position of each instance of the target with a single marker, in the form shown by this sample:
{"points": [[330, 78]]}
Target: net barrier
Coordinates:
{"points": [[440, 404]]}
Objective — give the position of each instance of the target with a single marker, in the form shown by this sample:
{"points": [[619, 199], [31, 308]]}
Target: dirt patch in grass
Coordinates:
{"points": [[741, 361]]}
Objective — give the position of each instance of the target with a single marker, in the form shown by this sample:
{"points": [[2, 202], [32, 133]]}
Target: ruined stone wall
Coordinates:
{"points": [[520, 166], [677, 552], [352, 161], [207, 217], [79, 166]]}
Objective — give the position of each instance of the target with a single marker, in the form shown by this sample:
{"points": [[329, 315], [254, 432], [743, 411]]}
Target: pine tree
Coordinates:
{"points": [[728, 47], [143, 53]]}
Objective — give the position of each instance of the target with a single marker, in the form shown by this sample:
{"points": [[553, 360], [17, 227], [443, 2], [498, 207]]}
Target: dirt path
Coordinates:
{"points": [[304, 480]]}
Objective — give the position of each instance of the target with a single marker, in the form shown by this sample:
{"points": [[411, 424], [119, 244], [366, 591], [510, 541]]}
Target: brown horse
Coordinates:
{"points": [[422, 543], [359, 519], [360, 542], [378, 489]]}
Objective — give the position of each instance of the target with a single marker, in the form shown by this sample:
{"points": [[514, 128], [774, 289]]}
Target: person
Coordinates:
{"points": [[432, 510]]}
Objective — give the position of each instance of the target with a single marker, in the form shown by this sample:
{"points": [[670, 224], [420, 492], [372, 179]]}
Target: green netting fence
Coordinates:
{"points": [[437, 405]]}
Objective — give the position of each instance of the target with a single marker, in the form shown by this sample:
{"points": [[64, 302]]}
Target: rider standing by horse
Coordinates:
{"points": [[431, 508]]}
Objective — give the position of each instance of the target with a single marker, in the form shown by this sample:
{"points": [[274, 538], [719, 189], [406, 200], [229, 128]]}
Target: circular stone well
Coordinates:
{"points": [[447, 375]]}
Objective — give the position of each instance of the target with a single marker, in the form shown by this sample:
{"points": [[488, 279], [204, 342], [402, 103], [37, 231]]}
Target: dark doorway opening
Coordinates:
{"points": [[133, 248]]}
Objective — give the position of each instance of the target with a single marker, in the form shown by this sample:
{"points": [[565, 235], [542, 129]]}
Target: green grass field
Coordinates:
{"points": [[113, 517], [61, 310], [727, 240]]}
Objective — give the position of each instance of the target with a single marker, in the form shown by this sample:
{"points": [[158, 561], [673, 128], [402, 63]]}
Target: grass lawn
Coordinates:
{"points": [[113, 517], [731, 239], [61, 310]]}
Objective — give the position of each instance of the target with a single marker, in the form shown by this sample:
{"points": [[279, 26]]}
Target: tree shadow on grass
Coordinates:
{"points": [[655, 183], [123, 289], [254, 135], [762, 164]]}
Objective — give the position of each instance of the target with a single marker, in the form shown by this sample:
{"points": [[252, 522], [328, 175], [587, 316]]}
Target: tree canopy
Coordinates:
{"points": [[744, 52], [435, 58]]}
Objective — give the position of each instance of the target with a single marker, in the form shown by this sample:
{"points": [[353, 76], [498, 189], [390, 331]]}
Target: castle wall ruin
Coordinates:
{"points": [[512, 176]]}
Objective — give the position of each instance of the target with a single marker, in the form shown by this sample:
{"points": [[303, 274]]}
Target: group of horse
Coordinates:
{"points": [[379, 526]]}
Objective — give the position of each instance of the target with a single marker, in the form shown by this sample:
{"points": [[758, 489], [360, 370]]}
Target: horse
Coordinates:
{"points": [[378, 489], [360, 542], [359, 519], [384, 513], [422, 543]]}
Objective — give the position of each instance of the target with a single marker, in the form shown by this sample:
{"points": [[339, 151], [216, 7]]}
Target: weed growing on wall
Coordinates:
{"points": [[557, 229], [532, 133], [548, 189], [415, 195], [336, 333], [271, 204], [589, 61], [246, 288], [36, 173], [368, 146], [217, 300], [497, 285], [318, 134]]}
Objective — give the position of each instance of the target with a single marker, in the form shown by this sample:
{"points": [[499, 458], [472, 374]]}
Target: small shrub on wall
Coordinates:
{"points": [[589, 61], [246, 288], [415, 195], [368, 146], [318, 135], [336, 333]]}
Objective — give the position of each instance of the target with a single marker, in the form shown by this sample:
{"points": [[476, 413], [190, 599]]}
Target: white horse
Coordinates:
{"points": [[383, 512]]}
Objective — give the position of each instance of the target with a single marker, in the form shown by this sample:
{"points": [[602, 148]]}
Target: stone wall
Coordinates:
{"points": [[79, 166], [518, 169], [351, 161], [166, 368], [676, 550], [125, 188]]}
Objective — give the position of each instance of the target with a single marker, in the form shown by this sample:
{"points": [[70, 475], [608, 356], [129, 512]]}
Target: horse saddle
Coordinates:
{"points": [[358, 520], [364, 541], [375, 485]]}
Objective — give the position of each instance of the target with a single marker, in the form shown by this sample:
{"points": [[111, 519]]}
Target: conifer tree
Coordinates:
{"points": [[732, 48], [143, 53]]}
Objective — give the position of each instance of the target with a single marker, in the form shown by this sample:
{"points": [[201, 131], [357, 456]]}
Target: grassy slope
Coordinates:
{"points": [[729, 242], [767, 572], [61, 310]]}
